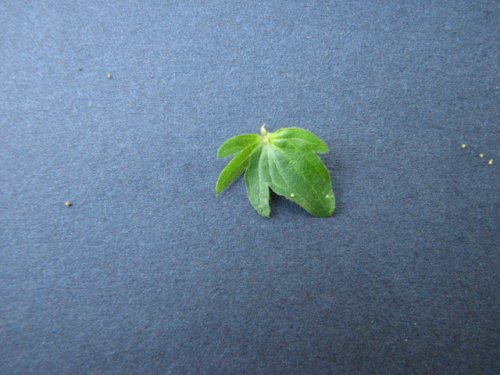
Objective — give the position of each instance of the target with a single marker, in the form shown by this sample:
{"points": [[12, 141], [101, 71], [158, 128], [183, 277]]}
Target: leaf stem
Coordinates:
{"points": [[263, 129], [265, 134]]}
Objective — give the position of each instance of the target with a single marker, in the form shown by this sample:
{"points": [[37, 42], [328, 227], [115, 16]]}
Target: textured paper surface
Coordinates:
{"points": [[148, 272]]}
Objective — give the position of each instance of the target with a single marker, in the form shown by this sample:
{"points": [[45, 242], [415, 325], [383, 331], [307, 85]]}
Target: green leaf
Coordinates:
{"points": [[234, 168], [284, 161], [301, 177], [299, 138], [237, 144], [257, 188]]}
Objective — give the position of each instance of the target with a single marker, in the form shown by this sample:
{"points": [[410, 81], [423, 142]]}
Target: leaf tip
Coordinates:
{"points": [[218, 189], [266, 214]]}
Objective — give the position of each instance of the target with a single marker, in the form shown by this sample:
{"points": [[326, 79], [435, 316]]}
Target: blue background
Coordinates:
{"points": [[149, 272]]}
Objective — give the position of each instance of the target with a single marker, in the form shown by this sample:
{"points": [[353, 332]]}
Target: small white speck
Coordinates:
{"points": [[292, 195]]}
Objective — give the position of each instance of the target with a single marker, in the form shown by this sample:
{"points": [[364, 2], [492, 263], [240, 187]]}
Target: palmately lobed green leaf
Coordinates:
{"points": [[285, 162], [237, 144]]}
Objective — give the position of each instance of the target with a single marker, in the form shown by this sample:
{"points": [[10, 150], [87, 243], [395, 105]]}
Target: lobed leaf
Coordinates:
{"points": [[237, 144], [286, 162], [299, 138], [234, 168], [257, 188], [302, 178]]}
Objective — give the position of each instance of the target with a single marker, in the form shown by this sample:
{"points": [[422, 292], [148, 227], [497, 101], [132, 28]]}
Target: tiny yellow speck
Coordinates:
{"points": [[463, 145], [109, 75], [490, 162], [481, 156], [292, 195], [68, 204]]}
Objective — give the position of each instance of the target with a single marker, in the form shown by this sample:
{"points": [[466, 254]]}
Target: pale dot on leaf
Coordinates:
{"points": [[292, 195]]}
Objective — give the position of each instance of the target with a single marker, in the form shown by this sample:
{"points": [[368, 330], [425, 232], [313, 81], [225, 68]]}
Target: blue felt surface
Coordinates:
{"points": [[149, 273]]}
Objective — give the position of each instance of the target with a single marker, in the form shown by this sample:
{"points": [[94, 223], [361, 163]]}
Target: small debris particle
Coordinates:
{"points": [[80, 69], [490, 162], [464, 146], [292, 195], [68, 204], [109, 75], [481, 156]]}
